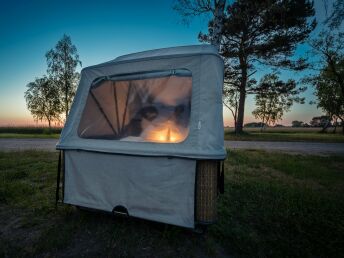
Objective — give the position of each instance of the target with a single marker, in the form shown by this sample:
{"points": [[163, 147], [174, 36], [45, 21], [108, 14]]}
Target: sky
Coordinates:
{"points": [[101, 31]]}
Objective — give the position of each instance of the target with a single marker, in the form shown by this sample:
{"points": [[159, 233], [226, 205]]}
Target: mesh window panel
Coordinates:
{"points": [[144, 107]]}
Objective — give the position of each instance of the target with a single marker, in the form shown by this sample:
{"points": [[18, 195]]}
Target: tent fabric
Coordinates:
{"points": [[154, 188], [204, 139], [172, 51]]}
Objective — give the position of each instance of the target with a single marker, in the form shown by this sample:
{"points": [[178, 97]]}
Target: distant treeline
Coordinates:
{"points": [[31, 130]]}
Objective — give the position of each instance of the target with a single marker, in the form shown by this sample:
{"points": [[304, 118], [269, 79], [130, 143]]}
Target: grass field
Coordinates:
{"points": [[26, 136], [30, 132], [288, 134], [274, 205], [251, 134]]}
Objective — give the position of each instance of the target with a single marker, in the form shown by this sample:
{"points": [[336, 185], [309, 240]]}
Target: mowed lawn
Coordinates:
{"points": [[286, 134], [275, 205]]}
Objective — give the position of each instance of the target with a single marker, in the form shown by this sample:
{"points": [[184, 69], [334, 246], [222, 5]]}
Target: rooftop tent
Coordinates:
{"points": [[137, 127]]}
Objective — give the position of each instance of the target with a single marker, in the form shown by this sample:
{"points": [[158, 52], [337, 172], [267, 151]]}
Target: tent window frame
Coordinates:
{"points": [[129, 77]]}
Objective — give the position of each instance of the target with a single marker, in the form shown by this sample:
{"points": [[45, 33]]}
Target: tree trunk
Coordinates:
{"points": [[241, 109], [219, 13], [262, 127], [242, 96], [335, 126], [326, 126], [66, 99], [66, 81]]}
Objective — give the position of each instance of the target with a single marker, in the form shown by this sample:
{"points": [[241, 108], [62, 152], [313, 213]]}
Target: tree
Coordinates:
{"points": [[255, 125], [320, 121], [330, 48], [296, 123], [231, 93], [336, 17], [329, 97], [42, 99], [329, 83], [62, 63], [262, 33], [190, 8], [274, 97]]}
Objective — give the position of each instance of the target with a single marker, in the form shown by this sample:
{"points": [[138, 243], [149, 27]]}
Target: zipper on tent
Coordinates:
{"points": [[142, 76]]}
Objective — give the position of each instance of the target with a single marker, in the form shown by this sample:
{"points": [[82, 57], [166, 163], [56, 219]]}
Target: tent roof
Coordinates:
{"points": [[171, 51], [192, 50]]}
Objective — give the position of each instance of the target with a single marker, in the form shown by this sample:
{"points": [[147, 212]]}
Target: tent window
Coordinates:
{"points": [[143, 107]]}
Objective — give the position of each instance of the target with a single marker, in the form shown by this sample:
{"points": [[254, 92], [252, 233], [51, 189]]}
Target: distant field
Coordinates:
{"points": [[25, 136], [275, 205], [286, 129], [30, 132], [285, 134], [251, 134]]}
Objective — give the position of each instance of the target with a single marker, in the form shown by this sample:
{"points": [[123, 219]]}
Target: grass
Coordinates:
{"points": [[285, 134], [288, 134], [279, 205], [30, 132], [274, 205], [26, 136]]}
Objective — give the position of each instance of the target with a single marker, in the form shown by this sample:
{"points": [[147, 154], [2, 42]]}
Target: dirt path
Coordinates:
{"points": [[290, 147], [311, 148]]}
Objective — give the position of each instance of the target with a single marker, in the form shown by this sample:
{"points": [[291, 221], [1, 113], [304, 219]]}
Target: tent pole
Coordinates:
{"points": [[116, 103], [58, 180], [126, 106]]}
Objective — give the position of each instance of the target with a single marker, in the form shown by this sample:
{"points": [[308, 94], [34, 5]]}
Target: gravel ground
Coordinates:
{"points": [[311, 148]]}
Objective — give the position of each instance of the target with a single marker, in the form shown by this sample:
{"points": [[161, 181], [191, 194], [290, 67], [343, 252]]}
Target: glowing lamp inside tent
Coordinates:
{"points": [[168, 133]]}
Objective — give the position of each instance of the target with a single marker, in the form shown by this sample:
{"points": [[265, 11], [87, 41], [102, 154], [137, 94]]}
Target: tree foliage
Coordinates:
{"points": [[248, 33], [62, 62], [297, 123], [275, 97], [329, 83], [42, 100], [329, 97], [262, 33], [191, 8], [231, 90], [337, 15]]}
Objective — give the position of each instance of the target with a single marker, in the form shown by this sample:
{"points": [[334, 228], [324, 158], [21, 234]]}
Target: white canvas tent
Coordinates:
{"points": [[137, 127]]}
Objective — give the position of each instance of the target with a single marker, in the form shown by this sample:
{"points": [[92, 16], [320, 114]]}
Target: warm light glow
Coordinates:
{"points": [[168, 133]]}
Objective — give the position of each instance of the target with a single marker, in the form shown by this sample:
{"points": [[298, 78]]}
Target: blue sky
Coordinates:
{"points": [[101, 31]]}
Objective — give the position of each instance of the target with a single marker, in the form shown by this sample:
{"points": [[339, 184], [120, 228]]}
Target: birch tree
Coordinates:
{"points": [[63, 61], [42, 100]]}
